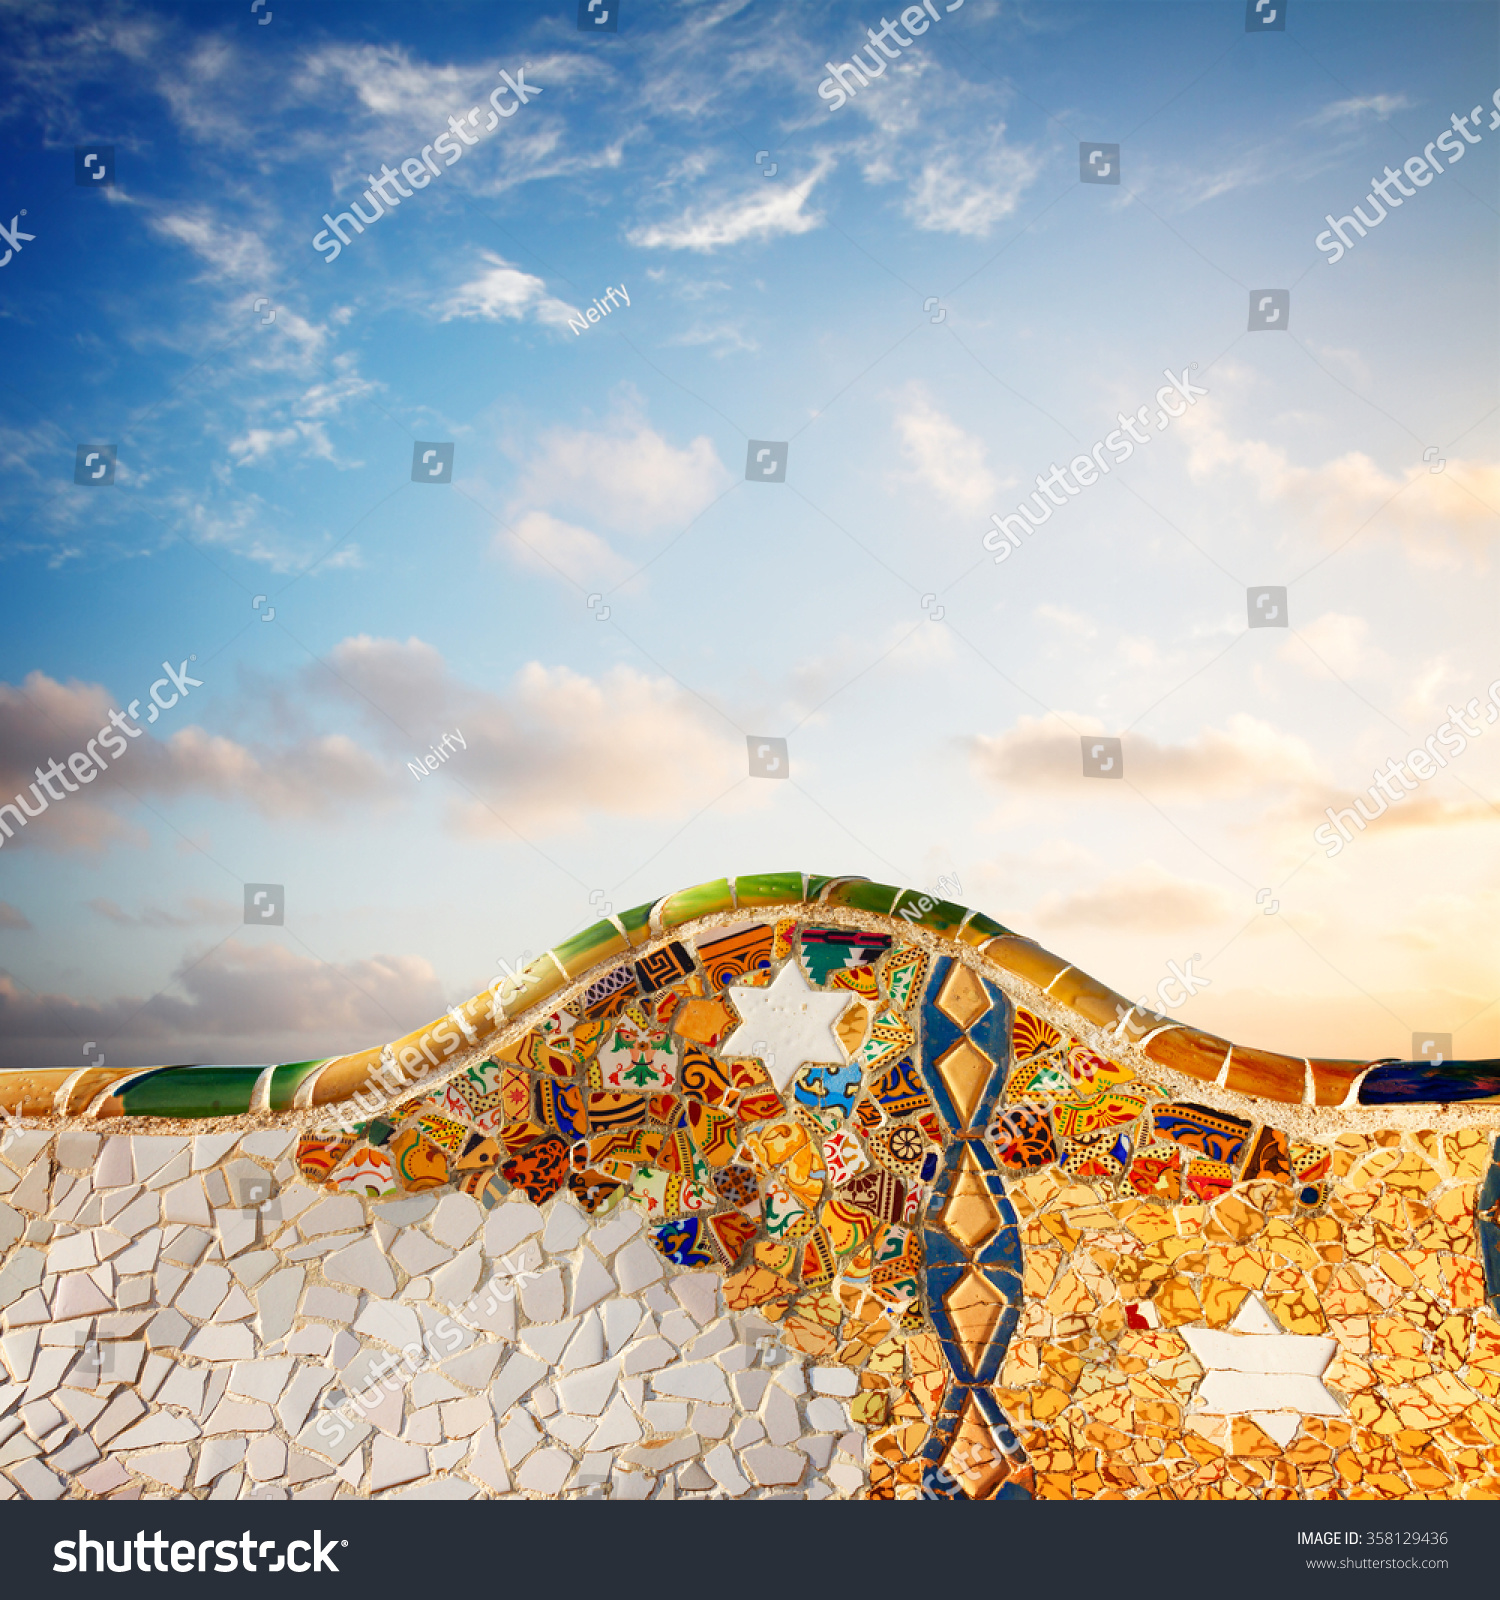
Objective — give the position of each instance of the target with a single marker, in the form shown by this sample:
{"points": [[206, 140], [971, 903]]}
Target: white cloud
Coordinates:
{"points": [[1144, 899], [551, 749], [556, 746], [1073, 623], [627, 477], [719, 338], [923, 132], [547, 544], [501, 291], [255, 530], [1343, 643], [258, 444], [310, 414], [235, 253], [563, 745], [1043, 754], [765, 212], [944, 458], [42, 720], [221, 913], [1442, 518], [957, 189], [1358, 107], [241, 1003]]}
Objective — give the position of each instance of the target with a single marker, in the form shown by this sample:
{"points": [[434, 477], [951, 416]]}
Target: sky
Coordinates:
{"points": [[677, 253]]}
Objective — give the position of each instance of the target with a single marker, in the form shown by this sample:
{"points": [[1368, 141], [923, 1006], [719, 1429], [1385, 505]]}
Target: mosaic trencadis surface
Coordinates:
{"points": [[1036, 1243]]}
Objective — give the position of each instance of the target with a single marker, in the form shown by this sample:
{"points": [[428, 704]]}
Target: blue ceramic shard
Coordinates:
{"points": [[1400, 1083], [1489, 1231]]}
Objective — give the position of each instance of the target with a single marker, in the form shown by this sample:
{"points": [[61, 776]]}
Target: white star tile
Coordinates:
{"points": [[787, 1025], [1258, 1369]]}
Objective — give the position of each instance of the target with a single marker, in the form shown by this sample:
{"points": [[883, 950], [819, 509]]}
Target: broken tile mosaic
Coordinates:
{"points": [[827, 1202]]}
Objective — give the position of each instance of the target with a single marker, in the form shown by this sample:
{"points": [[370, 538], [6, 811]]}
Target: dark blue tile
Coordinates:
{"points": [[994, 1356], [943, 1255], [1489, 1251], [992, 1033], [1401, 1083]]}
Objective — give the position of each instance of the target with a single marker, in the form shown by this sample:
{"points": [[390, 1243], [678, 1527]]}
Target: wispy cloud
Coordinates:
{"points": [[765, 212], [233, 1002], [555, 747], [1144, 899], [626, 476], [199, 912], [236, 254], [944, 458], [1359, 107], [500, 292], [1245, 756]]}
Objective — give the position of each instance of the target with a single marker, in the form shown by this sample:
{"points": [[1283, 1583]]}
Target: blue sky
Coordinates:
{"points": [[927, 304]]}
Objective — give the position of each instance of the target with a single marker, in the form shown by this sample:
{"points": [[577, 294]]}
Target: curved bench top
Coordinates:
{"points": [[493, 1016]]}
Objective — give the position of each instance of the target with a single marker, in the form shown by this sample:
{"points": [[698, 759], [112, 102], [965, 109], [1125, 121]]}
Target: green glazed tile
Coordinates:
{"points": [[815, 886], [286, 1080], [192, 1092], [941, 916], [979, 929], [586, 949], [859, 894], [637, 923], [769, 889], [700, 901], [537, 980]]}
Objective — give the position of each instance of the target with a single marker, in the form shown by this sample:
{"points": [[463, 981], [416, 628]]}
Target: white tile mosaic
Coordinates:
{"points": [[170, 1341]]}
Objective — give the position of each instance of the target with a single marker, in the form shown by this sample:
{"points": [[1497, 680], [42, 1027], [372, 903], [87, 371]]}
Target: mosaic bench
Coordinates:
{"points": [[783, 1185]]}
